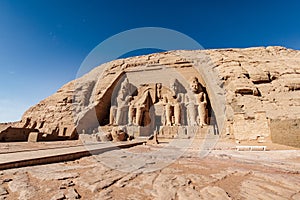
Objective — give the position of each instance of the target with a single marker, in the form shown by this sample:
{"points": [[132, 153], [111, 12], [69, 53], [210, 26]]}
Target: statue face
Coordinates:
{"points": [[194, 86], [124, 86], [174, 88]]}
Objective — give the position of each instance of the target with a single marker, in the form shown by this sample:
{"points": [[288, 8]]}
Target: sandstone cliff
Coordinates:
{"points": [[249, 89]]}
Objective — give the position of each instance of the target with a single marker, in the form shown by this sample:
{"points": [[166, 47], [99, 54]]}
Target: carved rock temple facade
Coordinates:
{"points": [[243, 94]]}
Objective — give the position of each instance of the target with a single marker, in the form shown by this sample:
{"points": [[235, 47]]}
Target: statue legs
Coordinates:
{"points": [[121, 117], [131, 115], [177, 114], [139, 115], [173, 112], [168, 111], [192, 115], [202, 114], [112, 115]]}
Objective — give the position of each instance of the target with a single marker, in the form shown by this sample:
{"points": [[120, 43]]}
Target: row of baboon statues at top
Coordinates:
{"points": [[129, 108]]}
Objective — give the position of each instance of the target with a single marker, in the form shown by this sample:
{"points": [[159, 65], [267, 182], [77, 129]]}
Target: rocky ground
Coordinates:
{"points": [[163, 171]]}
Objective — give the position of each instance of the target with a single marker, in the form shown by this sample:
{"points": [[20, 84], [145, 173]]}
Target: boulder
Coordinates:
{"points": [[119, 134]]}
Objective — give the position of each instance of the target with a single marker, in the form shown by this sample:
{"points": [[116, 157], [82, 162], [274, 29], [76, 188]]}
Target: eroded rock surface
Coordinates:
{"points": [[222, 174], [253, 84]]}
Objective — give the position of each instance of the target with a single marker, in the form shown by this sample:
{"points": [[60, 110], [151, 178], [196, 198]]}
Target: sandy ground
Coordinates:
{"points": [[7, 147], [223, 144], [165, 171]]}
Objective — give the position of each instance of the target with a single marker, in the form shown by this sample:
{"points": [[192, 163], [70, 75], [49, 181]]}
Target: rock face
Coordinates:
{"points": [[248, 90]]}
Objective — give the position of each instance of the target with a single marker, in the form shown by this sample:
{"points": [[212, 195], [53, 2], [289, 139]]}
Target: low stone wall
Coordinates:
{"points": [[12, 134], [286, 132]]}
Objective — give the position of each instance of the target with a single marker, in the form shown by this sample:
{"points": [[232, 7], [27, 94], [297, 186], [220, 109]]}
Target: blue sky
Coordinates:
{"points": [[43, 43]]}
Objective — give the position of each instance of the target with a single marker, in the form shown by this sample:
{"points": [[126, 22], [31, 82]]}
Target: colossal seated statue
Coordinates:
{"points": [[173, 104], [140, 108], [118, 112], [197, 105]]}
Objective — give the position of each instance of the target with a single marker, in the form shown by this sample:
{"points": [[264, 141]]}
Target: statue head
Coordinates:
{"points": [[125, 87], [125, 84], [174, 87], [195, 85]]}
